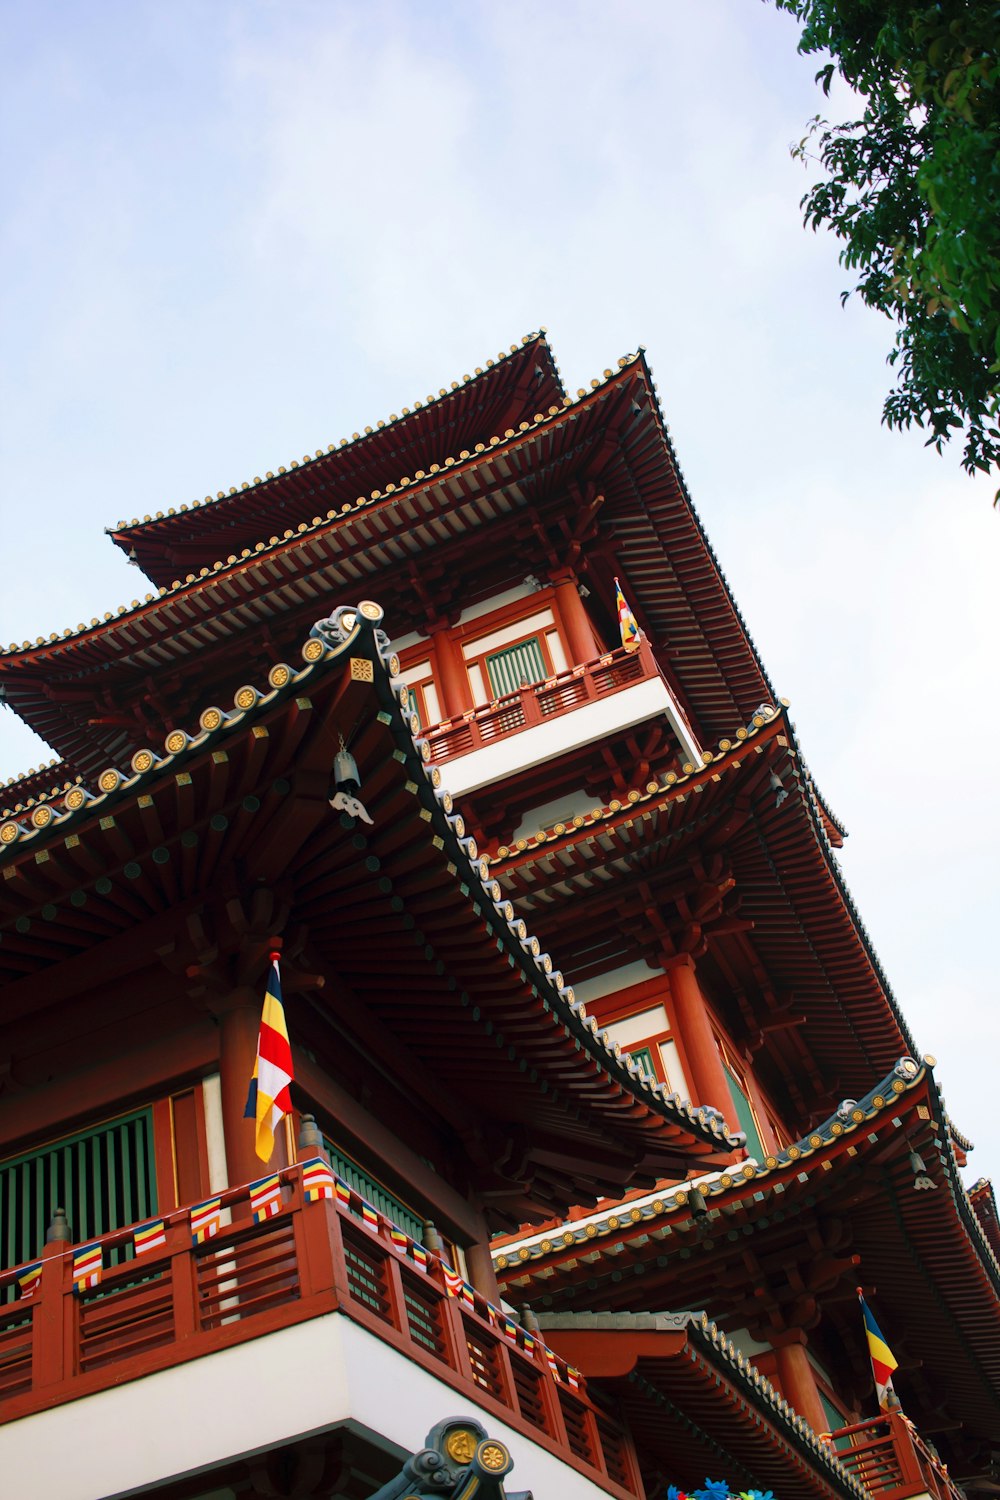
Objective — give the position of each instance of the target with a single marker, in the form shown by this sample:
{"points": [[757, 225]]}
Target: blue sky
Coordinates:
{"points": [[233, 233]]}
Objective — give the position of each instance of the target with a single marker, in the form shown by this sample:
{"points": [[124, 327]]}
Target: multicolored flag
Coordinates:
{"points": [[552, 1362], [342, 1191], [419, 1254], [573, 1377], [626, 621], [369, 1215], [269, 1099], [29, 1280], [317, 1179], [453, 1282], [88, 1267], [882, 1358], [206, 1220], [398, 1239], [265, 1198], [149, 1236]]}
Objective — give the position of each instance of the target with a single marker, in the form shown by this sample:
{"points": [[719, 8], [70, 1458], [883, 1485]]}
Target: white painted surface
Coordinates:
{"points": [[243, 1400], [617, 979], [499, 601], [211, 1095], [531, 625], [416, 673], [676, 1077], [563, 809], [518, 752], [640, 1027]]}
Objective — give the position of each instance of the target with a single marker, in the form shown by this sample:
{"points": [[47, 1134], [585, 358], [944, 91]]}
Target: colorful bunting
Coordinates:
{"points": [[206, 1220], [265, 1198], [88, 1267], [149, 1236], [317, 1180], [269, 1099], [29, 1280]]}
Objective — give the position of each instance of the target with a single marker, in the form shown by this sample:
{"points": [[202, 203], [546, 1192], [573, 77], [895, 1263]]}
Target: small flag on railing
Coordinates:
{"points": [[88, 1267], [453, 1282], [398, 1239], [342, 1191], [419, 1255], [882, 1358], [269, 1099], [149, 1236], [265, 1198], [317, 1180], [626, 621], [527, 1341], [369, 1215], [573, 1377], [552, 1362], [507, 1327], [206, 1220], [29, 1280]]}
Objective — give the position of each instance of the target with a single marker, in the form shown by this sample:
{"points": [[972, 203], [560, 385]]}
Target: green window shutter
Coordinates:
{"points": [[644, 1057], [105, 1178], [414, 706], [511, 668], [379, 1197], [834, 1419], [744, 1116]]}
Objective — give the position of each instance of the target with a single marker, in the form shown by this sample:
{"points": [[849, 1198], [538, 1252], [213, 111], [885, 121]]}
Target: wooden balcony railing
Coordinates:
{"points": [[892, 1460], [541, 701], [185, 1300]]}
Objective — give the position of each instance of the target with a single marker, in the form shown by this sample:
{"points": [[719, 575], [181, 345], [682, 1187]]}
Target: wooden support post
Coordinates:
{"points": [[706, 1075], [575, 620], [481, 1272], [451, 675], [796, 1379]]}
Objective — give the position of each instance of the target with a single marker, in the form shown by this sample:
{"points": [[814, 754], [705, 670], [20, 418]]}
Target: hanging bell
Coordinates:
{"points": [[345, 772]]}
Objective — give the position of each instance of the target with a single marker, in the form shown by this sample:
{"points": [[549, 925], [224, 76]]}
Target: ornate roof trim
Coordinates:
{"points": [[330, 641]]}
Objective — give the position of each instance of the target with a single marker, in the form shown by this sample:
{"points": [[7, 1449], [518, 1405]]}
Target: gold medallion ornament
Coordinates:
{"points": [[279, 675], [210, 719], [370, 610], [494, 1456], [9, 832], [245, 697], [461, 1446], [142, 761], [42, 817], [109, 780], [394, 665], [313, 650], [75, 799], [362, 670], [175, 741]]}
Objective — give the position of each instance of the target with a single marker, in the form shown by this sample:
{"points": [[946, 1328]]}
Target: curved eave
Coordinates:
{"points": [[806, 928], [507, 390], [670, 1368], [482, 977], [662, 550]]}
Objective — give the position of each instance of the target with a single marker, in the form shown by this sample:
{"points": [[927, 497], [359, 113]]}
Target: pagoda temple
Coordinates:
{"points": [[603, 1108]]}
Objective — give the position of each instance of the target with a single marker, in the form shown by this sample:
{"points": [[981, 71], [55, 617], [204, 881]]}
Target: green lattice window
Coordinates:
{"points": [[515, 666], [105, 1178], [744, 1115], [378, 1196], [644, 1057]]}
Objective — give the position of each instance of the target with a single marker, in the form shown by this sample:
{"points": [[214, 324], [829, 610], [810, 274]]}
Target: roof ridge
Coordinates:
{"points": [[318, 523], [356, 439]]}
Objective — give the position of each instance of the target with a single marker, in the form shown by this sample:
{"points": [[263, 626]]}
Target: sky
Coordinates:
{"points": [[233, 233]]}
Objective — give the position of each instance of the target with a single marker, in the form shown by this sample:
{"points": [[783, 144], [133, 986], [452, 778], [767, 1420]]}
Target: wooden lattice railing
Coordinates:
{"points": [[891, 1460], [185, 1300], [540, 702]]}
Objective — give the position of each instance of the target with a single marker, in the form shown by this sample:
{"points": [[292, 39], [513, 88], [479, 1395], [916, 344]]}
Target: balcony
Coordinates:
{"points": [[891, 1460], [605, 696], [308, 1320]]}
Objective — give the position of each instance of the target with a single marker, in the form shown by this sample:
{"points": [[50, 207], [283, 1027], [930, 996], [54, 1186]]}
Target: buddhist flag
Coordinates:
{"points": [[29, 1280], [626, 621], [88, 1267], [342, 1191], [369, 1215], [317, 1180], [419, 1255], [206, 1220], [149, 1236], [398, 1239], [265, 1198], [269, 1099], [882, 1358]]}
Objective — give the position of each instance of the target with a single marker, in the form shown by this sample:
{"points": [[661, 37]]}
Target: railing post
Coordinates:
{"points": [[48, 1317], [183, 1281]]}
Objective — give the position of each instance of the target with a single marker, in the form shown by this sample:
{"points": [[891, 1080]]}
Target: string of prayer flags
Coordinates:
{"points": [[29, 1280], [88, 1267], [317, 1180], [149, 1236], [265, 1198], [206, 1220]]}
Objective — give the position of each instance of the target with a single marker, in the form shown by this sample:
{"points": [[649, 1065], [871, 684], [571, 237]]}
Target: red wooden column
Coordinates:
{"points": [[451, 676], [576, 622], [706, 1074], [796, 1378], [481, 1272]]}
